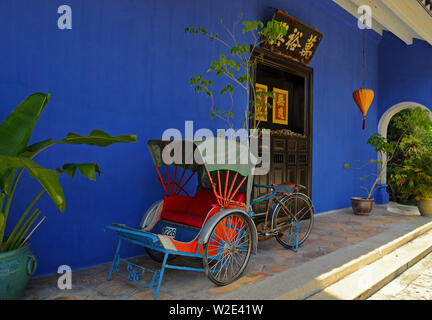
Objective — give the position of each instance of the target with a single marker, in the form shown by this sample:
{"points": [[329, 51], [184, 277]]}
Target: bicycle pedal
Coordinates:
{"points": [[271, 234]]}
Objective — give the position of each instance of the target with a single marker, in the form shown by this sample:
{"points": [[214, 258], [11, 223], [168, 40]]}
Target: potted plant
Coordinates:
{"points": [[415, 178], [17, 263], [364, 205], [412, 138]]}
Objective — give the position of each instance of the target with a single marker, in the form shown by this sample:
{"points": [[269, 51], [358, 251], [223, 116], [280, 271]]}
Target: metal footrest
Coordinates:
{"points": [[136, 274], [136, 236]]}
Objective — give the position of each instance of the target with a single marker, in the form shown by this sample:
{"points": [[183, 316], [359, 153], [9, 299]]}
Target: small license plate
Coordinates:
{"points": [[170, 232]]}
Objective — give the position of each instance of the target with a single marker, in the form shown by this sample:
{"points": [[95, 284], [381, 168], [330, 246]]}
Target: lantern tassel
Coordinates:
{"points": [[364, 123]]}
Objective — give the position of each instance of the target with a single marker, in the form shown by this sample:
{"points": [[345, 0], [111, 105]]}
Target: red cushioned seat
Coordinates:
{"points": [[240, 197], [176, 203], [202, 202], [192, 211]]}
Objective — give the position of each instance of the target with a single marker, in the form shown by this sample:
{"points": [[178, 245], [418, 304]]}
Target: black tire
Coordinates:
{"points": [[158, 256], [302, 208], [233, 249]]}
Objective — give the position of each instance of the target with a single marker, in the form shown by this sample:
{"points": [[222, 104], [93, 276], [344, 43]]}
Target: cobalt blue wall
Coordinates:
{"points": [[405, 72], [124, 68]]}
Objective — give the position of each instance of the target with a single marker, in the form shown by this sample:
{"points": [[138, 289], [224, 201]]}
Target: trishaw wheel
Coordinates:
{"points": [[296, 207], [158, 256], [227, 252]]}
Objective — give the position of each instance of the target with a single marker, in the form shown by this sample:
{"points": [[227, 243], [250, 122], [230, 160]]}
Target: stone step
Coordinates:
{"points": [[366, 281], [313, 277]]}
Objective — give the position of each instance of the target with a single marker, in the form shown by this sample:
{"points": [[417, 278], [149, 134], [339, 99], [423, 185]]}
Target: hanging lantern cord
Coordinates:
{"points": [[364, 45]]}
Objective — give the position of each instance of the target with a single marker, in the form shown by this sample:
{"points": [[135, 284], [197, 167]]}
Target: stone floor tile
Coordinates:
{"points": [[115, 288], [331, 232], [247, 279]]}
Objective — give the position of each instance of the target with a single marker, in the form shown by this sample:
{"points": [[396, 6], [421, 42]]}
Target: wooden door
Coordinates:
{"points": [[291, 144]]}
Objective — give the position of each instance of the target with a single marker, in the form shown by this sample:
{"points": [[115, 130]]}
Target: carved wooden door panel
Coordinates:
{"points": [[291, 143]]}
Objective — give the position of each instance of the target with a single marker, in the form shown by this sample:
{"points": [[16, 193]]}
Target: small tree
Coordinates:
{"points": [[383, 146], [415, 127], [235, 67]]}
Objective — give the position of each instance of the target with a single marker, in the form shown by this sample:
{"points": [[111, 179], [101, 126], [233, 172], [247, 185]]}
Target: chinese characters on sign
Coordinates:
{"points": [[300, 42], [280, 106], [262, 113], [306, 52]]}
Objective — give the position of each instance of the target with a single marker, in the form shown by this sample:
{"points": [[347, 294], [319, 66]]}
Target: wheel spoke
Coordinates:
{"points": [[228, 251], [303, 214]]}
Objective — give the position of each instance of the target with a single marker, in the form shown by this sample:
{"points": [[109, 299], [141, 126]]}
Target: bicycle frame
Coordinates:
{"points": [[293, 220]]}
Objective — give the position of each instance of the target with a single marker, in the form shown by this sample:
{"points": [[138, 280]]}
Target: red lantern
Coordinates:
{"points": [[363, 98]]}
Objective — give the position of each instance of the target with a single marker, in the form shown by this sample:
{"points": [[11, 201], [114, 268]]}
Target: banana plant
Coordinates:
{"points": [[16, 156]]}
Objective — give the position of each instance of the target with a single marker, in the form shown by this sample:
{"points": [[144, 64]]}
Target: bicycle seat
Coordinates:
{"points": [[288, 187]]}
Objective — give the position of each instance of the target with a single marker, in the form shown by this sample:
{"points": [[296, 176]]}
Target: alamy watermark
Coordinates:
{"points": [[65, 20], [365, 20], [64, 282], [240, 147]]}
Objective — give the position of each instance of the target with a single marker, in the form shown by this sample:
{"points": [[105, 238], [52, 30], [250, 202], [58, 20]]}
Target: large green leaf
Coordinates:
{"points": [[88, 170], [2, 220], [96, 138], [46, 177], [2, 217], [17, 128], [35, 148], [2, 200], [6, 179]]}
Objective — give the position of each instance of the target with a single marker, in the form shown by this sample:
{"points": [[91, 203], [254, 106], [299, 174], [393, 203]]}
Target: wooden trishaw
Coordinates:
{"points": [[217, 223]]}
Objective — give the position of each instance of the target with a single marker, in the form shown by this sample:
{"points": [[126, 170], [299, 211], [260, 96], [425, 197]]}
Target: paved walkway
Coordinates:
{"points": [[413, 284], [332, 231]]}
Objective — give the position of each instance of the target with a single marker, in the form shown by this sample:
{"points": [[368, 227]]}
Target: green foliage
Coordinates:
{"points": [[407, 154], [382, 144], [235, 66], [2, 220], [87, 170], [47, 178], [416, 177], [386, 148], [413, 128], [17, 128], [274, 32], [16, 156], [251, 26]]}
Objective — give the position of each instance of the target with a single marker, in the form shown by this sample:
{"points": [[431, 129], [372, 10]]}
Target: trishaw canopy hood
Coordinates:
{"points": [[213, 153]]}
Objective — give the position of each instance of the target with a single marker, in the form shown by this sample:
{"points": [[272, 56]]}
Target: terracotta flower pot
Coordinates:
{"points": [[425, 207], [362, 206]]}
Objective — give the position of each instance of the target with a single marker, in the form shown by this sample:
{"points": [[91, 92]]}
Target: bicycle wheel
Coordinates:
{"points": [[296, 207], [227, 252]]}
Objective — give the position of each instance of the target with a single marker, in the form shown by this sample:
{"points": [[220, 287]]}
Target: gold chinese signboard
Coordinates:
{"points": [[300, 42], [280, 106], [262, 113]]}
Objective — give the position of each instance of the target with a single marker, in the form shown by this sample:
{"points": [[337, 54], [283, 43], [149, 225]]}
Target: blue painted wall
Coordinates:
{"points": [[405, 72], [124, 68]]}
